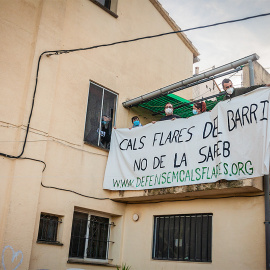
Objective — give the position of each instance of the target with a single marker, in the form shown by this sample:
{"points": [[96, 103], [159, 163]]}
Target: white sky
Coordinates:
{"points": [[222, 44]]}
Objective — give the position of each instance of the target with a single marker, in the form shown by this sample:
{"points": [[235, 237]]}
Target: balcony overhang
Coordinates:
{"points": [[222, 188], [182, 107], [159, 95]]}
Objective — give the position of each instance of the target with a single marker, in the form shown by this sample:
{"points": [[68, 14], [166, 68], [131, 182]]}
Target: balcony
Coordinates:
{"points": [[222, 188]]}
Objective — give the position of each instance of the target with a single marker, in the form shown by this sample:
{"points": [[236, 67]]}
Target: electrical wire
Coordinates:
{"points": [[33, 159], [229, 77], [196, 83], [75, 192], [57, 52], [161, 201], [28, 125], [157, 35], [60, 142]]}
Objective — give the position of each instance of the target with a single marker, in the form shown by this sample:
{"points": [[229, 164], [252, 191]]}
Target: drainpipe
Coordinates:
{"points": [[251, 73], [266, 190], [267, 220]]}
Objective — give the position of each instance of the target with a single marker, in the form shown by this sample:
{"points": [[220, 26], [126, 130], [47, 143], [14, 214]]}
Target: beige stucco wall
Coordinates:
{"points": [[30, 27], [261, 75], [237, 236], [56, 135]]}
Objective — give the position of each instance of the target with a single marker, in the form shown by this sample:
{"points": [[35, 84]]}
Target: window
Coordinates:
{"points": [[183, 237], [100, 116], [109, 6], [89, 236], [105, 3], [48, 228]]}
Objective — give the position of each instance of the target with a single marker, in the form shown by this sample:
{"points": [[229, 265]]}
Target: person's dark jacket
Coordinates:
{"points": [[169, 117], [241, 91]]}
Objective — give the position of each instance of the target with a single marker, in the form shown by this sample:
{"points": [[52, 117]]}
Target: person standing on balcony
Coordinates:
{"points": [[136, 122], [168, 109], [199, 107], [232, 92]]}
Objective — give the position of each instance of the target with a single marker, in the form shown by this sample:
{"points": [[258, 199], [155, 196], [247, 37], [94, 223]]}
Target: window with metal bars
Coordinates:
{"points": [[48, 227], [100, 116], [183, 237], [90, 237]]}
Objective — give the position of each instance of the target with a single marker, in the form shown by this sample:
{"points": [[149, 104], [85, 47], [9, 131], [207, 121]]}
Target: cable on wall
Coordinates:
{"points": [[75, 192], [160, 201], [58, 52]]}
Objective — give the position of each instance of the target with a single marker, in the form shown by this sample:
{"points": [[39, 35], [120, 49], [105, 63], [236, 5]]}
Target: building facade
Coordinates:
{"points": [[206, 89], [61, 217]]}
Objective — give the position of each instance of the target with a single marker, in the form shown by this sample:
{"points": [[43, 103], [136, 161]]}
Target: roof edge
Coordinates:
{"points": [[175, 27]]}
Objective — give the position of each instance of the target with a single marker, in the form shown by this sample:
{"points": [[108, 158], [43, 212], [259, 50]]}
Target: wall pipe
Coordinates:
{"points": [[167, 89], [267, 220], [251, 73]]}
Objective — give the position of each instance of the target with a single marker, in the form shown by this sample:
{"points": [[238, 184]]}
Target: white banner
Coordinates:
{"points": [[231, 142]]}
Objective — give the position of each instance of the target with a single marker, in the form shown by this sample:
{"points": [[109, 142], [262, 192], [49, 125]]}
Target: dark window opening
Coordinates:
{"points": [[183, 237], [89, 237], [105, 3], [100, 116], [48, 227]]}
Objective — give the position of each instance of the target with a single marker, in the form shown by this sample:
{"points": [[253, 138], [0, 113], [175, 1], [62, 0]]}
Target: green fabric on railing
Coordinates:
{"points": [[157, 105]]}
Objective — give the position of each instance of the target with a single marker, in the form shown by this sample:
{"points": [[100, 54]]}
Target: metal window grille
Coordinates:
{"points": [[48, 227], [90, 237], [100, 116], [183, 237]]}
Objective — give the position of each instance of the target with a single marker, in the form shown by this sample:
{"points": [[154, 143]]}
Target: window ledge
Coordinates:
{"points": [[105, 9], [97, 147], [50, 243], [82, 261], [183, 261]]}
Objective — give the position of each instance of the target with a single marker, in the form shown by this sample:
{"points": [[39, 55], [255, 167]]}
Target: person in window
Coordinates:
{"points": [[232, 92], [105, 133], [168, 109], [136, 122], [199, 107]]}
